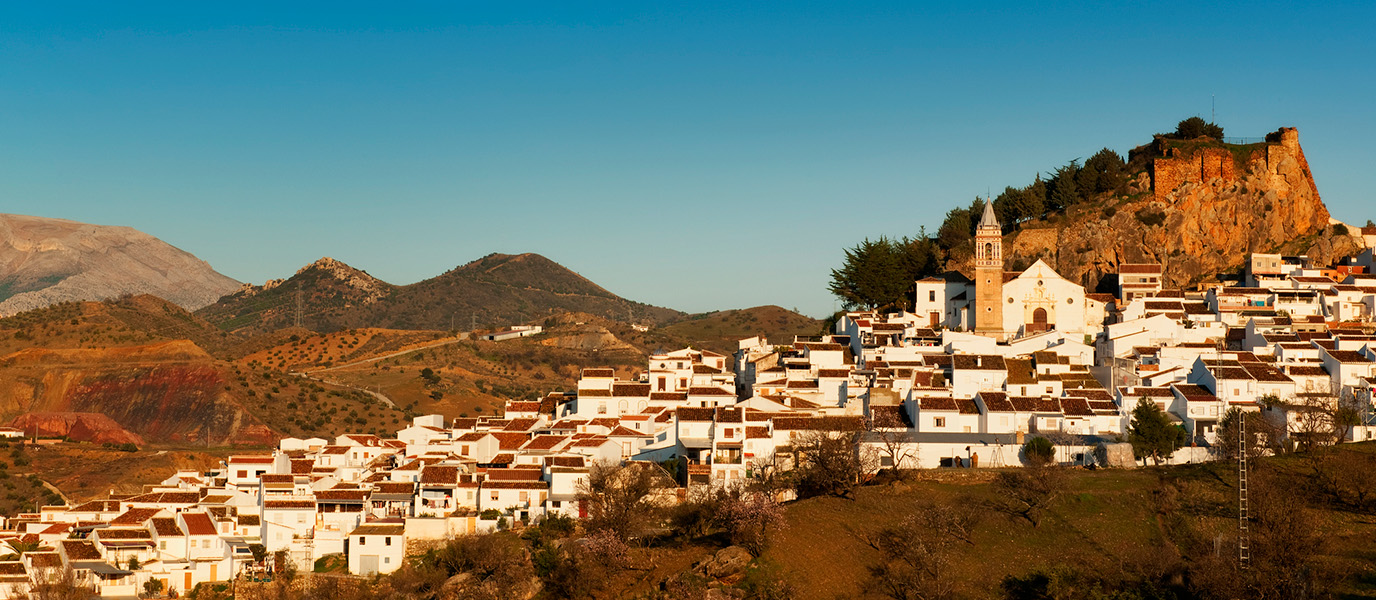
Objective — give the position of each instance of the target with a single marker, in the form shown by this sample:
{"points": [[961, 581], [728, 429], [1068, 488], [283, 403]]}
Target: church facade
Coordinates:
{"points": [[1003, 304]]}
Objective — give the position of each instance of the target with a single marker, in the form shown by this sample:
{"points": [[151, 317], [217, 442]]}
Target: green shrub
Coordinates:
{"points": [[1039, 450], [1151, 218]]}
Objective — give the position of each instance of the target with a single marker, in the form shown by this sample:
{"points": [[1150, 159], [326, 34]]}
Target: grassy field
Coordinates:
{"points": [[1116, 523]]}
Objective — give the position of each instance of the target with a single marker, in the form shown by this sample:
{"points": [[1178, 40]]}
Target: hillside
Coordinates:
{"points": [[721, 330], [140, 370], [47, 261], [1198, 207], [496, 290]]}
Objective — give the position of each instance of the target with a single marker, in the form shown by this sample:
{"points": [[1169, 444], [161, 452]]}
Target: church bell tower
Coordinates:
{"points": [[989, 274]]}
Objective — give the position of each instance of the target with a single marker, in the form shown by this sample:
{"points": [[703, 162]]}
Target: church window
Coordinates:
{"points": [[988, 250], [1039, 282], [1069, 300], [1010, 300], [931, 296]]}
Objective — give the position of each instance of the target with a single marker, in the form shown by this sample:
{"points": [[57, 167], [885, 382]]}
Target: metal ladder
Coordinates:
{"points": [[1244, 552]]}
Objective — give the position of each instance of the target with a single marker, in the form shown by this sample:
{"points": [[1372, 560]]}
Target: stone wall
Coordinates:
{"points": [[1199, 167]]}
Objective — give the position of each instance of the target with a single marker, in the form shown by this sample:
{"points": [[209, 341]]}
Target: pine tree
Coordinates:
{"points": [[1152, 434]]}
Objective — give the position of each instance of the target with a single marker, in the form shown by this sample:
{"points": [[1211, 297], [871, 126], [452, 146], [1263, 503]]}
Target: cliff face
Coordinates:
{"points": [[1198, 208], [47, 261]]}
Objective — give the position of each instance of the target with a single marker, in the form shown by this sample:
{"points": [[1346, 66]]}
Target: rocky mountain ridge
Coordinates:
{"points": [[496, 290], [45, 261]]}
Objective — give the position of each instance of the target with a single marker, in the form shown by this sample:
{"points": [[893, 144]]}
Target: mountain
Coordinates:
{"points": [[46, 261], [1197, 206], [493, 291]]}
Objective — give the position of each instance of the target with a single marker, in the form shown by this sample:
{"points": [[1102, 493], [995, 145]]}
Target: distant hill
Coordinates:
{"points": [[46, 261], [721, 330], [495, 290]]}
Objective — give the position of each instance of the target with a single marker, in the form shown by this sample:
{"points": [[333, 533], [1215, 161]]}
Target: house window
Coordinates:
{"points": [[463, 449], [387, 560], [931, 296], [525, 496], [470, 494], [205, 543], [939, 422], [243, 474], [387, 541], [363, 540], [494, 495], [601, 408], [162, 545]]}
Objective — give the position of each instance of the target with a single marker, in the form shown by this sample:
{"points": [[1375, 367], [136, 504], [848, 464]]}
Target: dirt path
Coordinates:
{"points": [[379, 395], [445, 342]]}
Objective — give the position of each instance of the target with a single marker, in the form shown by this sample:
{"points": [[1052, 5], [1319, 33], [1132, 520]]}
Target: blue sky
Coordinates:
{"points": [[701, 157]]}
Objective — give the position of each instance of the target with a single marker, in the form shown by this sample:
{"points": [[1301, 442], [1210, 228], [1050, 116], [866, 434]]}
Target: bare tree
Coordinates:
{"points": [[621, 498], [832, 463], [1027, 493], [1263, 435], [1347, 477], [915, 554], [58, 584], [750, 519], [887, 430]]}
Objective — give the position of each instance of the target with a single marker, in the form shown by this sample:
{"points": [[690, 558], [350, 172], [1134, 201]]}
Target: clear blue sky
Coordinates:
{"points": [[699, 157]]}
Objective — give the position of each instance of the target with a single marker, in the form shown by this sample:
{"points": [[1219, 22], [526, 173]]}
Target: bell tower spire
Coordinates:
{"points": [[989, 274]]}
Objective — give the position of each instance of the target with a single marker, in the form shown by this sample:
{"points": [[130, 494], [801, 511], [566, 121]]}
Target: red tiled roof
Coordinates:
{"points": [[198, 524]]}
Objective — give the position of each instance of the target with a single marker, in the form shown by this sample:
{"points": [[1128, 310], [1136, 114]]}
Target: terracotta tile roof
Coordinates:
{"points": [[198, 524], [983, 362], [544, 442], [167, 527], [667, 396], [289, 504], [510, 440], [340, 496], [709, 391], [123, 534], [521, 424], [80, 550], [1194, 393], [135, 516], [515, 485], [439, 475], [686, 413], [819, 423], [638, 390], [513, 474], [167, 498]]}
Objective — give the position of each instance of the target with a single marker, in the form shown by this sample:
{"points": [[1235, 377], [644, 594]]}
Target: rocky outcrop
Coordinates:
{"points": [[1198, 207], [47, 261], [77, 427]]}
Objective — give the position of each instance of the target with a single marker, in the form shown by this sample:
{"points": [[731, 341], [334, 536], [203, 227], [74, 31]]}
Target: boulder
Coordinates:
{"points": [[727, 562], [1115, 455]]}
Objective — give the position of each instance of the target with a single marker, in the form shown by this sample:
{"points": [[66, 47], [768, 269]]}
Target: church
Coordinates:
{"points": [[1002, 304]]}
